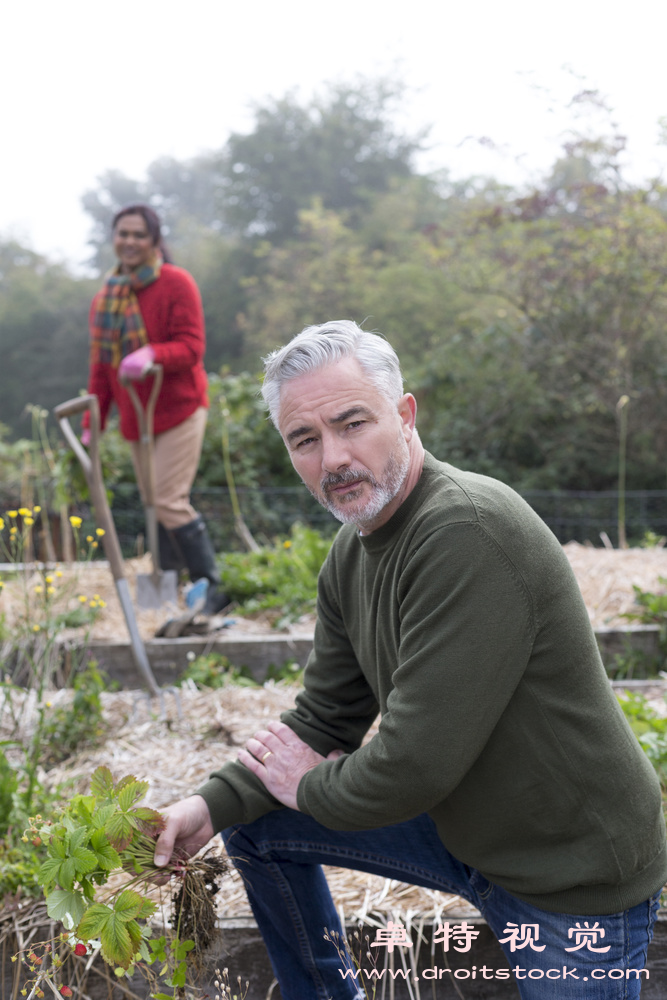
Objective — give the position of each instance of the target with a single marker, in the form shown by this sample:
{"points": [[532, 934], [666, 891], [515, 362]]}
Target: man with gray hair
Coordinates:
{"points": [[502, 769]]}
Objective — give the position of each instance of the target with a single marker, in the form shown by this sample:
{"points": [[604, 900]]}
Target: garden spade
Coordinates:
{"points": [[92, 469], [161, 586]]}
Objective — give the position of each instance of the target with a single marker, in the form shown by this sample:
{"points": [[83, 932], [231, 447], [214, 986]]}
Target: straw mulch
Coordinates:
{"points": [[606, 578], [176, 755]]}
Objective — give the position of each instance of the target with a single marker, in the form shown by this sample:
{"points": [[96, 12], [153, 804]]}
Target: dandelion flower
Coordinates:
{"points": [[99, 532], [36, 628], [89, 538], [12, 513], [50, 590], [75, 521], [36, 509], [48, 579], [102, 604], [287, 544], [24, 512], [94, 545], [2, 524], [83, 598], [59, 572], [28, 521], [39, 589]]}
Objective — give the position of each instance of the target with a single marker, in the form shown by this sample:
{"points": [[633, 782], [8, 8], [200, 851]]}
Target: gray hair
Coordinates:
{"points": [[317, 346]]}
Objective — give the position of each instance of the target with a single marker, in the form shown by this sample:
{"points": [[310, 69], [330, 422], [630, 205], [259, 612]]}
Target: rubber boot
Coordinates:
{"points": [[193, 541], [171, 556]]}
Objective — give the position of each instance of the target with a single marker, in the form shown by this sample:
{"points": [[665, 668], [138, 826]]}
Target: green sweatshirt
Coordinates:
{"points": [[461, 622]]}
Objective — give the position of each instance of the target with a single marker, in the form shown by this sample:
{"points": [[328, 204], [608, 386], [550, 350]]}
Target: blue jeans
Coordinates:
{"points": [[279, 858]]}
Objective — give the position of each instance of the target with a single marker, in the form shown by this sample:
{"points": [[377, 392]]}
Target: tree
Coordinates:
{"points": [[342, 148]]}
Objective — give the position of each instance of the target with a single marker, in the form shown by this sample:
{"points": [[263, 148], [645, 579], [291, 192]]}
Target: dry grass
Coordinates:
{"points": [[177, 756]]}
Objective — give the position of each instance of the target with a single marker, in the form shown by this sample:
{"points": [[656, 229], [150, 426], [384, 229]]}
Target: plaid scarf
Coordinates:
{"points": [[118, 327]]}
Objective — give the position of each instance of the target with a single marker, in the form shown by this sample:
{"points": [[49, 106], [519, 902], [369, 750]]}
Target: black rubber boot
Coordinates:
{"points": [[171, 556], [193, 541]]}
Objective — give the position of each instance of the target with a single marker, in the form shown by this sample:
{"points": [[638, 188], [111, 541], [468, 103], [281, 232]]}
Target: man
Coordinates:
{"points": [[503, 769]]}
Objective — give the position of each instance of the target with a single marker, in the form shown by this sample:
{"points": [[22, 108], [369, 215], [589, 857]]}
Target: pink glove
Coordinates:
{"points": [[135, 365], [85, 437]]}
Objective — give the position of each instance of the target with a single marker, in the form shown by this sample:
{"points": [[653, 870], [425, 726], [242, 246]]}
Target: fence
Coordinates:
{"points": [[572, 515]]}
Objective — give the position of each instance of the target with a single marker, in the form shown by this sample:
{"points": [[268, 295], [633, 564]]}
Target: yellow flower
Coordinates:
{"points": [[94, 545], [1, 584], [287, 544], [75, 521], [99, 532], [83, 598], [36, 509], [92, 604], [13, 530], [12, 513], [28, 520], [96, 597], [35, 628], [50, 590], [38, 589], [102, 604], [24, 512], [2, 524], [89, 538], [48, 579], [59, 572]]}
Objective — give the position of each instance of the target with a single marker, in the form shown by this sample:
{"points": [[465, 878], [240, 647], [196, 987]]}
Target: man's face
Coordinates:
{"points": [[347, 441]]}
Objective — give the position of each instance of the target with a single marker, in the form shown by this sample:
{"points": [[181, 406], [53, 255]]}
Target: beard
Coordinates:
{"points": [[382, 492]]}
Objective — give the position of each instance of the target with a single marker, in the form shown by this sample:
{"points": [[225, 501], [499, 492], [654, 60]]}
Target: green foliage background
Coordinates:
{"points": [[521, 315]]}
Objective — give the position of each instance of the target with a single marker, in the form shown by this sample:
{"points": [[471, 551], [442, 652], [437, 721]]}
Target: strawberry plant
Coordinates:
{"points": [[97, 873]]}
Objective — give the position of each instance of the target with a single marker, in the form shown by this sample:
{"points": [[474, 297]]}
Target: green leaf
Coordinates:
{"points": [[119, 830], [78, 837], [107, 857], [94, 921], [128, 905], [131, 794], [102, 816], [101, 783], [117, 948], [84, 860], [67, 873], [68, 907], [49, 871]]}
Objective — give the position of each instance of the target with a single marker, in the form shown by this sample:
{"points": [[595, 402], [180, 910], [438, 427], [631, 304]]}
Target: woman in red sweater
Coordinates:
{"points": [[150, 312]]}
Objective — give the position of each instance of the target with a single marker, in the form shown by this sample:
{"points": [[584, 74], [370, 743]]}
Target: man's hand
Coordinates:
{"points": [[280, 759], [188, 827]]}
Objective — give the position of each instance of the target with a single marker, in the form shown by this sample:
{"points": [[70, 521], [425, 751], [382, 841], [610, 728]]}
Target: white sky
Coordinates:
{"points": [[88, 86]]}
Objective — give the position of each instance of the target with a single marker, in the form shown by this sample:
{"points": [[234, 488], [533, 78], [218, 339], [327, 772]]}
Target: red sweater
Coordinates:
{"points": [[174, 319]]}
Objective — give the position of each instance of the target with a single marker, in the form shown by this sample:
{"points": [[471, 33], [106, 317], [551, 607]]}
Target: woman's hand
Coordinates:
{"points": [[280, 759], [137, 364]]}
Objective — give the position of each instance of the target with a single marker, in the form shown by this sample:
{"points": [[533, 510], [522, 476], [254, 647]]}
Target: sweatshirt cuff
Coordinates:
{"points": [[224, 805]]}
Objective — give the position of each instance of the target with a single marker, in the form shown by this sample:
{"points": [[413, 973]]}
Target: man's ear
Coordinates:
{"points": [[407, 411]]}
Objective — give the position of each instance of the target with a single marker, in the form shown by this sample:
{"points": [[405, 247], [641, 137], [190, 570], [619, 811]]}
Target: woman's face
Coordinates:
{"points": [[132, 243]]}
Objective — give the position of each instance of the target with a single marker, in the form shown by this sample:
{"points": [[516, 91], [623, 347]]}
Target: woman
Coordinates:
{"points": [[150, 312]]}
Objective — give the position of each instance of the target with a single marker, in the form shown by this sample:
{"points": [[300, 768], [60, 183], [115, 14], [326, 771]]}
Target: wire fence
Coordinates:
{"points": [[269, 513], [572, 516]]}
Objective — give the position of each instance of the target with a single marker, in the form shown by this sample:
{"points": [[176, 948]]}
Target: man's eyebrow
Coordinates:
{"points": [[354, 411], [297, 433], [340, 418]]}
